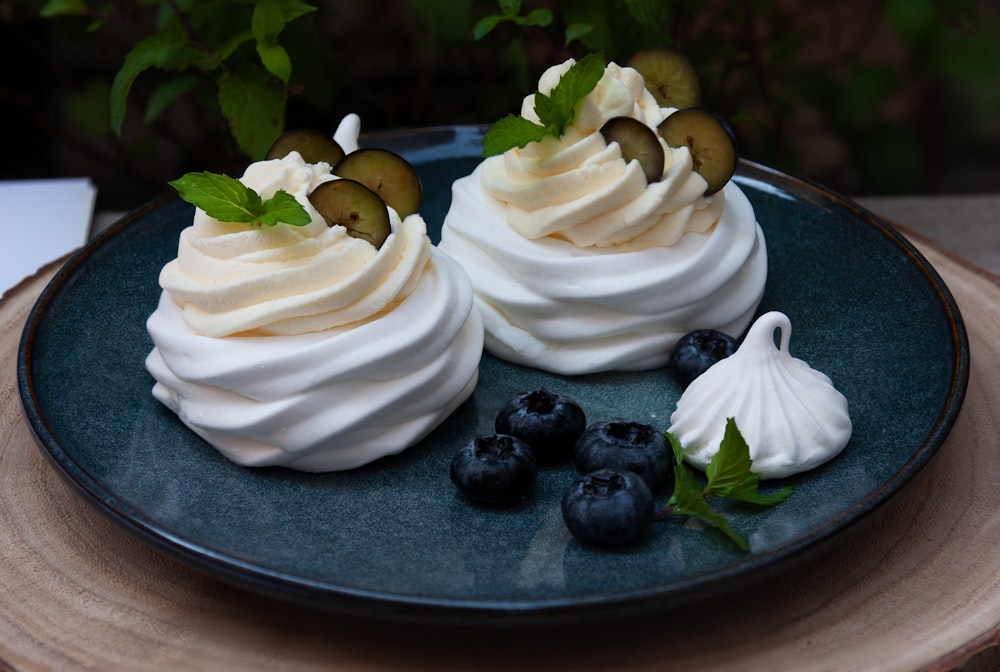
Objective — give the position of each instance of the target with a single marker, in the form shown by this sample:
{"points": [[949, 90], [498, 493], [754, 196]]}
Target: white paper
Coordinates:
{"points": [[40, 221]]}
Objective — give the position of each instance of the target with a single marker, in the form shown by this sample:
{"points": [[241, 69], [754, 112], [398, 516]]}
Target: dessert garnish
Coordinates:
{"points": [[547, 421], [312, 145], [625, 445], [497, 470], [637, 142], [696, 351], [387, 174], [556, 110], [670, 76], [229, 200], [713, 149], [729, 474], [355, 207], [371, 180], [609, 508]]}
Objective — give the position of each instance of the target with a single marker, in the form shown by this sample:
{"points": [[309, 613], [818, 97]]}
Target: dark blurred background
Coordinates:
{"points": [[867, 97]]}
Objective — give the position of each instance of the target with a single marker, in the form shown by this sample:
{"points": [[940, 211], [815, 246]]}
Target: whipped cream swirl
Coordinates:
{"points": [[579, 188], [791, 416], [304, 347], [580, 266]]}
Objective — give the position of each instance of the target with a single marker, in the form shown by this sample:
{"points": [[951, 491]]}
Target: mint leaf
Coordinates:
{"points": [[485, 25], [282, 207], [728, 475], [267, 23], [147, 53], [688, 498], [254, 105], [729, 472], [229, 200], [556, 111], [63, 8], [572, 88], [167, 94], [538, 17], [511, 131], [575, 31]]}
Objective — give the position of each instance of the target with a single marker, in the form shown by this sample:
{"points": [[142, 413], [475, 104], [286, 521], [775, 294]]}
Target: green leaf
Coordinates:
{"points": [[229, 200], [152, 51], [254, 107], [485, 25], [573, 87], [510, 7], [511, 131], [276, 61], [293, 9], [266, 24], [282, 207], [167, 94], [575, 31], [220, 196], [63, 8], [538, 17], [729, 472], [227, 48], [556, 111], [688, 499]]}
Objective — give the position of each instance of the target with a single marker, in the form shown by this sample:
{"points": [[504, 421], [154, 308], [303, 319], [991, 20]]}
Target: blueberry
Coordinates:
{"points": [[494, 470], [698, 350], [627, 446], [608, 508], [548, 422]]}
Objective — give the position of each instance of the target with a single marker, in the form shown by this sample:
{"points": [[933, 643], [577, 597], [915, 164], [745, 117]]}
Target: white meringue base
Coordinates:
{"points": [[330, 400], [551, 305]]}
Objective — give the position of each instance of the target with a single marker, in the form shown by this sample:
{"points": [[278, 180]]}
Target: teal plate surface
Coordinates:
{"points": [[393, 540]]}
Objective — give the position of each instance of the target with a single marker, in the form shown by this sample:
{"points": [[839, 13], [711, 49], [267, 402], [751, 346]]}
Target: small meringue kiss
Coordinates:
{"points": [[792, 417]]}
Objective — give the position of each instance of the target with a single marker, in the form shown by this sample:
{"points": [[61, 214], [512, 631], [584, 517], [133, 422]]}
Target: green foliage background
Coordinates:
{"points": [[869, 96]]}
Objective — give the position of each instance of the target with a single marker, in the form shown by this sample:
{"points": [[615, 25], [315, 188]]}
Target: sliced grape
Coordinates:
{"points": [[355, 207], [314, 146], [387, 174], [711, 143], [669, 75], [638, 142]]}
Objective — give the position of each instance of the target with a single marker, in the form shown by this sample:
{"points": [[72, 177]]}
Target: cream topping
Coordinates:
{"points": [[579, 187]]}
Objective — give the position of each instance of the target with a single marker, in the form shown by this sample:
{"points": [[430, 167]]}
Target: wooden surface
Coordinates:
{"points": [[918, 590]]}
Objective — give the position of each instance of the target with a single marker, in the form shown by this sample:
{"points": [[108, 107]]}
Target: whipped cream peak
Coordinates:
{"points": [[236, 279], [578, 187], [791, 416]]}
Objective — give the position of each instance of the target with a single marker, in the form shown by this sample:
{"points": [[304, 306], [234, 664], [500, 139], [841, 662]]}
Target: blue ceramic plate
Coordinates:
{"points": [[393, 540]]}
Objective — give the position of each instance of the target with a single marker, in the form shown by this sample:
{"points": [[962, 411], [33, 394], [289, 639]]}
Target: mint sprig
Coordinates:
{"points": [[555, 111], [229, 200], [728, 475]]}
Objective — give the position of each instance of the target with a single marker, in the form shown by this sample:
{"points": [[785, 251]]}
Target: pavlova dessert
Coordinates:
{"points": [[603, 226], [321, 331]]}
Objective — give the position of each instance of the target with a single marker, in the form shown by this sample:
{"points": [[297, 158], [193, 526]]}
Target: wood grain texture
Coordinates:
{"points": [[917, 589]]}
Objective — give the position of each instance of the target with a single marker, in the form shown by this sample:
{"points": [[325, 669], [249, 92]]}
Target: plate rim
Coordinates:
{"points": [[427, 608]]}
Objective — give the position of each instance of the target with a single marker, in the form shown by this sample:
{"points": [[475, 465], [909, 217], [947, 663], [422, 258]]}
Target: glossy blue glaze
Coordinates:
{"points": [[393, 540]]}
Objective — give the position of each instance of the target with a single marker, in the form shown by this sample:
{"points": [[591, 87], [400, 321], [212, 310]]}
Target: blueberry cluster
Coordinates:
{"points": [[620, 462]]}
